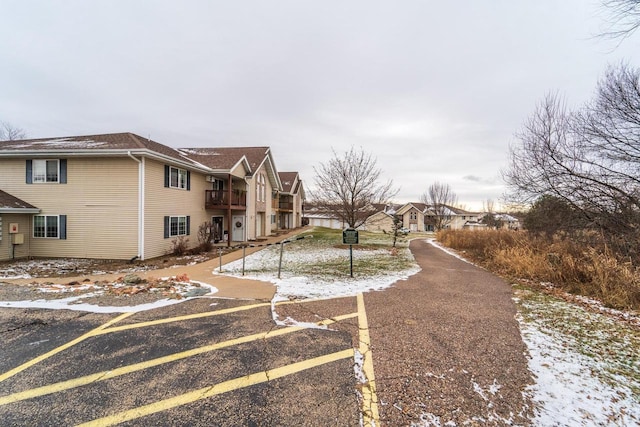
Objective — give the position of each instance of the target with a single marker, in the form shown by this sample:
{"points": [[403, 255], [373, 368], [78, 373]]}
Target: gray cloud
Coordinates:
{"points": [[434, 90]]}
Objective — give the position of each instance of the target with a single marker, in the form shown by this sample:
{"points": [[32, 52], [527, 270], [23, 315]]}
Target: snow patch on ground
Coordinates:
{"points": [[449, 251], [71, 304], [567, 391], [262, 265], [183, 290]]}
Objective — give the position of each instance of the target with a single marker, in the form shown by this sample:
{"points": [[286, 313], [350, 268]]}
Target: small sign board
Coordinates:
{"points": [[350, 236], [13, 228]]}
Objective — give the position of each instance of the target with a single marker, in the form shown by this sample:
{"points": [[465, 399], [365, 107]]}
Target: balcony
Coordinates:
{"points": [[223, 199], [285, 205]]}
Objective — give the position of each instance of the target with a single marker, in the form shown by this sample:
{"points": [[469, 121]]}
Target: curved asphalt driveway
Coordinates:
{"points": [[446, 346]]}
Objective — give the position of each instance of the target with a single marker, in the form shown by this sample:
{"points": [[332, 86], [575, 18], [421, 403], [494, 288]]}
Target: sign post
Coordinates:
{"points": [[350, 237]]}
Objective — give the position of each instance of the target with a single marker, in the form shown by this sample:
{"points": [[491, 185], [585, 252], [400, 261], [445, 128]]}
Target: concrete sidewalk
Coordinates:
{"points": [[228, 287]]}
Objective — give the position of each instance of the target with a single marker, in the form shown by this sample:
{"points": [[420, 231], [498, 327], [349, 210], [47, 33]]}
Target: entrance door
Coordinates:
{"points": [[237, 227], [216, 228]]}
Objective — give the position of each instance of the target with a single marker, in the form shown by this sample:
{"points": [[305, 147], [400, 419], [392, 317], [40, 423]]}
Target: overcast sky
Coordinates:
{"points": [[435, 90]]}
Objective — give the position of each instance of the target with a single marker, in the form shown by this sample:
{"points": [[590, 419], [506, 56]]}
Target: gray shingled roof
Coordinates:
{"points": [[10, 203], [112, 141], [216, 157], [222, 158]]}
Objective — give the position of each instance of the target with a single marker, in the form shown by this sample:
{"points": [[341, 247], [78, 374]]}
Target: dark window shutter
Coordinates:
{"points": [[188, 180], [63, 171], [62, 227], [188, 225], [29, 172], [166, 227], [166, 176]]}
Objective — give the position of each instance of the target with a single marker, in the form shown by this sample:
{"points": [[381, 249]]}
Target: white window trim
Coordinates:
{"points": [[261, 188], [182, 184], [34, 166], [171, 218], [57, 236]]}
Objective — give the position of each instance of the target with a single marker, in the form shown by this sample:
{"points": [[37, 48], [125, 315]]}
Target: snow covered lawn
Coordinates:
{"points": [[312, 271]]}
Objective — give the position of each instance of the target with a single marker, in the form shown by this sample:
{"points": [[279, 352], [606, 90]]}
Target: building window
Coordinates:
{"points": [[178, 178], [42, 171], [46, 171], [178, 226], [50, 226], [261, 188], [413, 215]]}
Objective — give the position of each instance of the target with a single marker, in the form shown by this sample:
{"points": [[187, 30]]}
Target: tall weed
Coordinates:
{"points": [[590, 270]]}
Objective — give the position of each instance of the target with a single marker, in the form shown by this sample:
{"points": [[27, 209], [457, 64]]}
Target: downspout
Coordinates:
{"points": [[229, 216], [140, 204]]}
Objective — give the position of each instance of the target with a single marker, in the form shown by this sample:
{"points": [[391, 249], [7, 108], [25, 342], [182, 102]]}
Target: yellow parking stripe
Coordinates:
{"points": [[105, 375], [226, 386], [370, 412], [57, 350], [181, 318]]}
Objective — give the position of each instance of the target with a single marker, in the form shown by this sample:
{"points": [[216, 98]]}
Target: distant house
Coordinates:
{"points": [[412, 216], [317, 218], [454, 218], [508, 222], [120, 196], [381, 222]]}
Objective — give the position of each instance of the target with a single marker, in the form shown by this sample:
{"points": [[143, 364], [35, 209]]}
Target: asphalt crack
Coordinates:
{"points": [[35, 322]]}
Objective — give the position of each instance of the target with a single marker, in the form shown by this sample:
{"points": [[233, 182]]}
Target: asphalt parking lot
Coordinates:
{"points": [[204, 362]]}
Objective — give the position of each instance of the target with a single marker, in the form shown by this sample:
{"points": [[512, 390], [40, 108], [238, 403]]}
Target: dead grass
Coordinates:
{"points": [[585, 270]]}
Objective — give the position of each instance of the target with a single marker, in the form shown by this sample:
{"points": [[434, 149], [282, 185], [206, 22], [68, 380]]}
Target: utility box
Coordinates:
{"points": [[18, 239]]}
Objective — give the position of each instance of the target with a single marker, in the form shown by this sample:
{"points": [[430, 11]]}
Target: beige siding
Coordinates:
{"points": [[379, 222], [161, 202], [99, 199], [239, 171], [252, 209], [268, 211], [259, 212], [24, 228], [297, 210]]}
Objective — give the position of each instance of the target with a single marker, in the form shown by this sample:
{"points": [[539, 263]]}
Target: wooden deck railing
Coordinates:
{"points": [[223, 199]]}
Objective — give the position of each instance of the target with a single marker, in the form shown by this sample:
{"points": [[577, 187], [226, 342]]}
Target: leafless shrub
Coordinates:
{"points": [[204, 237], [179, 246]]}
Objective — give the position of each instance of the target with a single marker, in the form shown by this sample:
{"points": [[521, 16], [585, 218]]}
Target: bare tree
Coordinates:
{"points": [[349, 185], [440, 200], [488, 206], [537, 162], [9, 132], [624, 17], [589, 158], [489, 218]]}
